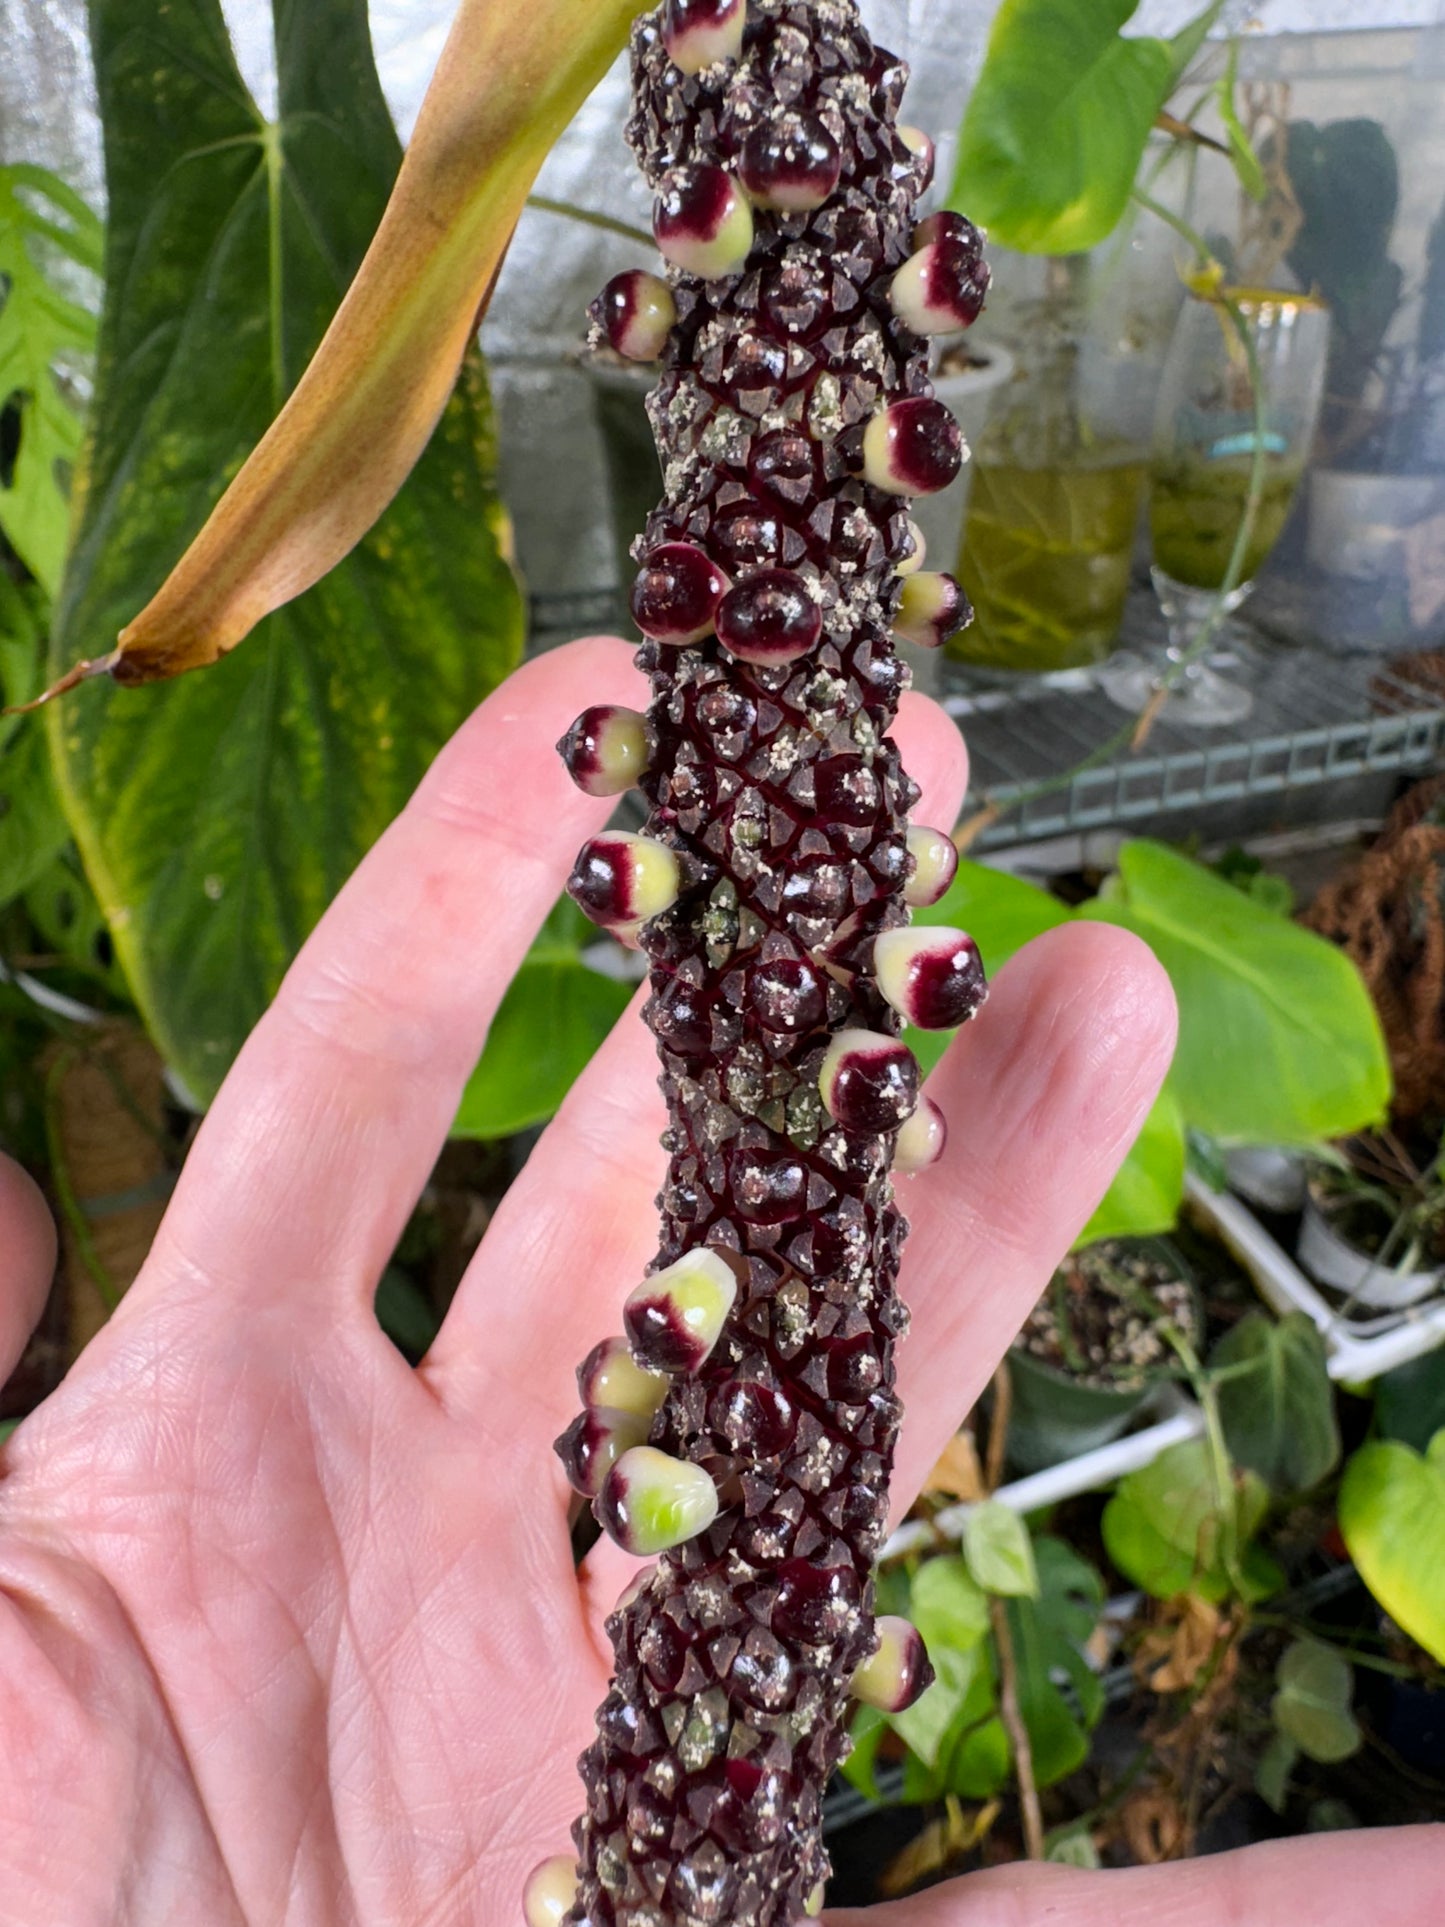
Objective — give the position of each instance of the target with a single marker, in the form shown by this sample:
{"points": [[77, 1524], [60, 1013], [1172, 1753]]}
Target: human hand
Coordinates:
{"points": [[291, 1632]]}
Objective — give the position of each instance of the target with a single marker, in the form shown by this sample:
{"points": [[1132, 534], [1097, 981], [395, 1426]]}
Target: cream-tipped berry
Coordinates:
{"points": [[675, 1317], [868, 1081], [912, 447], [955, 229], [813, 1905], [676, 595], [550, 1891], [940, 289], [918, 554], [931, 608], [703, 222], [651, 1502], [769, 617], [607, 749], [698, 33], [791, 164], [921, 147], [898, 1673], [593, 1443], [621, 878], [933, 978], [611, 1376], [636, 313], [922, 1139], [935, 865]]}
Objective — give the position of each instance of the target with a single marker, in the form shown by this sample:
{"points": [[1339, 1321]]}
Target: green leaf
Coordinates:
{"points": [[44, 337], [950, 1610], [1272, 1771], [218, 815], [404, 1314], [1392, 1516], [1072, 1846], [33, 830], [948, 1606], [1410, 1401], [1241, 150], [1277, 1405], [1168, 1528], [1049, 1635], [860, 1768], [1146, 1194], [1278, 1040], [997, 1551], [1058, 119], [1312, 1706], [556, 1013]]}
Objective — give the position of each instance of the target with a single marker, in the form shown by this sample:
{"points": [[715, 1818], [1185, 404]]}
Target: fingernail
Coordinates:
{"points": [[651, 1502], [932, 977]]}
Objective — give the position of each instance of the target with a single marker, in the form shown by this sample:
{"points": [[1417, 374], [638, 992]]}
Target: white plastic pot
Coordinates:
{"points": [[970, 396], [1269, 1175], [1331, 1260]]}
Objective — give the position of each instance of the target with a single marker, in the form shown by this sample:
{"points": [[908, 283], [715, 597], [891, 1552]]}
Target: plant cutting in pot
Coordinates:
{"points": [[1374, 1222], [1094, 1349]]}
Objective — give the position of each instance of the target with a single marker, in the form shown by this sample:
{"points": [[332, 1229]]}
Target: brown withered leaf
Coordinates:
{"points": [[958, 1474], [509, 80]]}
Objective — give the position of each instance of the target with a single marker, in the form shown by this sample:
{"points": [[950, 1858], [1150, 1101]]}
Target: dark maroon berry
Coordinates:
{"points": [[940, 289], [787, 995], [636, 313], [702, 221], [933, 977], [785, 465], [769, 617], [791, 164], [953, 228], [769, 1189], [797, 299], [815, 1603], [868, 1081], [748, 535], [912, 447], [756, 1415], [698, 32], [675, 598]]}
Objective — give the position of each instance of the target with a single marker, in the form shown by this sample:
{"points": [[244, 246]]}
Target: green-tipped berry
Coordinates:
{"points": [[593, 1443], [703, 222], [621, 878], [931, 608], [651, 1502], [636, 313], [611, 1376], [898, 1673], [607, 750], [912, 447], [675, 1317]]}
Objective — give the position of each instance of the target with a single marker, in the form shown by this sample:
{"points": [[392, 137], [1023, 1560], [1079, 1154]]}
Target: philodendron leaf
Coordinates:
{"points": [[1392, 1516], [1057, 122], [217, 817], [1275, 1400], [42, 330], [997, 1551], [1278, 1040], [343, 439], [1169, 1528], [1312, 1705]]}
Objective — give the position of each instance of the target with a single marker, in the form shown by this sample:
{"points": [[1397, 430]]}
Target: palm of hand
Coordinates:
{"points": [[291, 1632]]}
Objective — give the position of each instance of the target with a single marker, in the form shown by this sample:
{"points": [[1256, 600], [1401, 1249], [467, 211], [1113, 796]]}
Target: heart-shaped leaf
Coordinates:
{"points": [[1172, 1528], [997, 1551], [1312, 1706], [1275, 1400], [217, 817], [1392, 1516]]}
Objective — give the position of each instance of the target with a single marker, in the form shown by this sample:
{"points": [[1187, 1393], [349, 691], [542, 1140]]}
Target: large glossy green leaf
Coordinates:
{"points": [[1057, 122], [1278, 1040], [217, 816], [555, 1015], [1392, 1516], [1171, 1528], [1049, 1636], [1276, 1402], [43, 335], [33, 830]]}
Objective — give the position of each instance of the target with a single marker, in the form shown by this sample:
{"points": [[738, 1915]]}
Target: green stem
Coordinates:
{"points": [[589, 217]]}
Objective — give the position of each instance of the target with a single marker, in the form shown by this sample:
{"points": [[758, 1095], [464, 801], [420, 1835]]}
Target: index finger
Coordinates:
{"points": [[324, 1133]]}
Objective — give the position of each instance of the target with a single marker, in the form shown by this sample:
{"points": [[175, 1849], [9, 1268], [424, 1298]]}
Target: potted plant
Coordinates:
{"points": [[1096, 1347], [1374, 1222]]}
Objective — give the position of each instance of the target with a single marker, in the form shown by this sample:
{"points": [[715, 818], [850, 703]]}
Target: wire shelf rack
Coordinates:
{"points": [[1317, 718]]}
